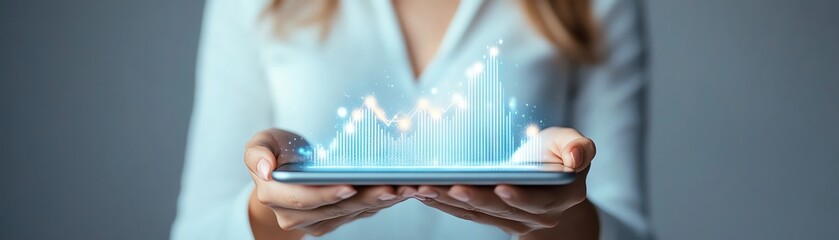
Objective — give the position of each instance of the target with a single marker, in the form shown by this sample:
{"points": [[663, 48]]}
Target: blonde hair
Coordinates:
{"points": [[567, 24]]}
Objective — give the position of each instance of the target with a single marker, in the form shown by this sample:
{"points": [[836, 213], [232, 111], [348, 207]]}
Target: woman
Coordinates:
{"points": [[267, 69]]}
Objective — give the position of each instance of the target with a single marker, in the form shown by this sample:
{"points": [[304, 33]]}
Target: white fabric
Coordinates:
{"points": [[248, 81]]}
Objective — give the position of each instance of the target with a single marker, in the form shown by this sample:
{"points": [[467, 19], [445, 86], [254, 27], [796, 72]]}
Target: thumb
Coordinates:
{"points": [[271, 148], [575, 150]]}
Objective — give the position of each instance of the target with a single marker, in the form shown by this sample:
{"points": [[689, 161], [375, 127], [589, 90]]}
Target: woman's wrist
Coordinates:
{"points": [[578, 222], [264, 223]]}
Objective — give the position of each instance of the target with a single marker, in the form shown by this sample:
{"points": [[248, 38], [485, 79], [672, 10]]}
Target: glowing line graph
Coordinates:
{"points": [[462, 133], [423, 106]]}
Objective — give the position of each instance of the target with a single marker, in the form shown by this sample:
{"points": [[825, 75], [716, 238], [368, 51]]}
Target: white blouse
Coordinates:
{"points": [[249, 81]]}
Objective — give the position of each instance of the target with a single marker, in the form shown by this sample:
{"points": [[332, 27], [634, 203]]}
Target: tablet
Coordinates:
{"points": [[475, 174]]}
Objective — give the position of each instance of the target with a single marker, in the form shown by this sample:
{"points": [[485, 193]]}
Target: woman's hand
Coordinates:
{"points": [[315, 210], [522, 209]]}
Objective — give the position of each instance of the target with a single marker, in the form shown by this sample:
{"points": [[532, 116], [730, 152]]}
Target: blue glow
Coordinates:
{"points": [[477, 127]]}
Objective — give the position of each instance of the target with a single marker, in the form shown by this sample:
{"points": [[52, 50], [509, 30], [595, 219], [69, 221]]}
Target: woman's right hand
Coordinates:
{"points": [[289, 210]]}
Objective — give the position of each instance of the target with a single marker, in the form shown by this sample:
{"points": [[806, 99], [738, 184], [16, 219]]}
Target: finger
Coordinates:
{"points": [[575, 150], [368, 213], [582, 152], [486, 201], [327, 226], [505, 224], [260, 156], [302, 197], [406, 192], [440, 194], [541, 199], [444, 195], [367, 198]]}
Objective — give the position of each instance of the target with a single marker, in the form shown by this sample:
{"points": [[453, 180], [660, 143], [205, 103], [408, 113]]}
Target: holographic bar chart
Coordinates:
{"points": [[478, 126]]}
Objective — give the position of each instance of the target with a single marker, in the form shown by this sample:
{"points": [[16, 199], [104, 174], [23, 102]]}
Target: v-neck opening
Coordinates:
{"points": [[455, 30]]}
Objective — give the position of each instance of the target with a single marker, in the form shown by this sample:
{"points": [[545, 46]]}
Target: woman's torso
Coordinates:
{"points": [[364, 54]]}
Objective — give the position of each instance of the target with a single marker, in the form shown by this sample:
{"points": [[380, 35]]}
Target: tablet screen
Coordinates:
{"points": [[503, 167]]}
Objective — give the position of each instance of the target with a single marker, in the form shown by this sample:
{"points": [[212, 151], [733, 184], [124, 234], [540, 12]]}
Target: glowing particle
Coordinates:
{"points": [[349, 128], [304, 151], [380, 114], [532, 130], [342, 112], [436, 114], [433, 90], [357, 115], [404, 124], [493, 51], [478, 68], [500, 41], [458, 100], [423, 103], [370, 102], [512, 103]]}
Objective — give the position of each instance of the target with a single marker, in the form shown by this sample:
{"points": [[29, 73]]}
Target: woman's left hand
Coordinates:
{"points": [[521, 209]]}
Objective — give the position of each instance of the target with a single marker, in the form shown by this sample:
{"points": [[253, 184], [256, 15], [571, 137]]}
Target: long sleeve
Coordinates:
{"points": [[608, 109], [232, 102]]}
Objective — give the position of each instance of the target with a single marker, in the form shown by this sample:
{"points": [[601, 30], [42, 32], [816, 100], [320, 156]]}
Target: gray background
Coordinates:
{"points": [[96, 97], [744, 105]]}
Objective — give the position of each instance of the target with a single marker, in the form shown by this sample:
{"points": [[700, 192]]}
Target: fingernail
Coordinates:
{"points": [[262, 167], [421, 198], [386, 196], [575, 157], [409, 193], [460, 196], [428, 194], [345, 193], [503, 193]]}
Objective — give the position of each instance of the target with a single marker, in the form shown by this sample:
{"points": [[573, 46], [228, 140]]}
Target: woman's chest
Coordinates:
{"points": [[495, 64]]}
